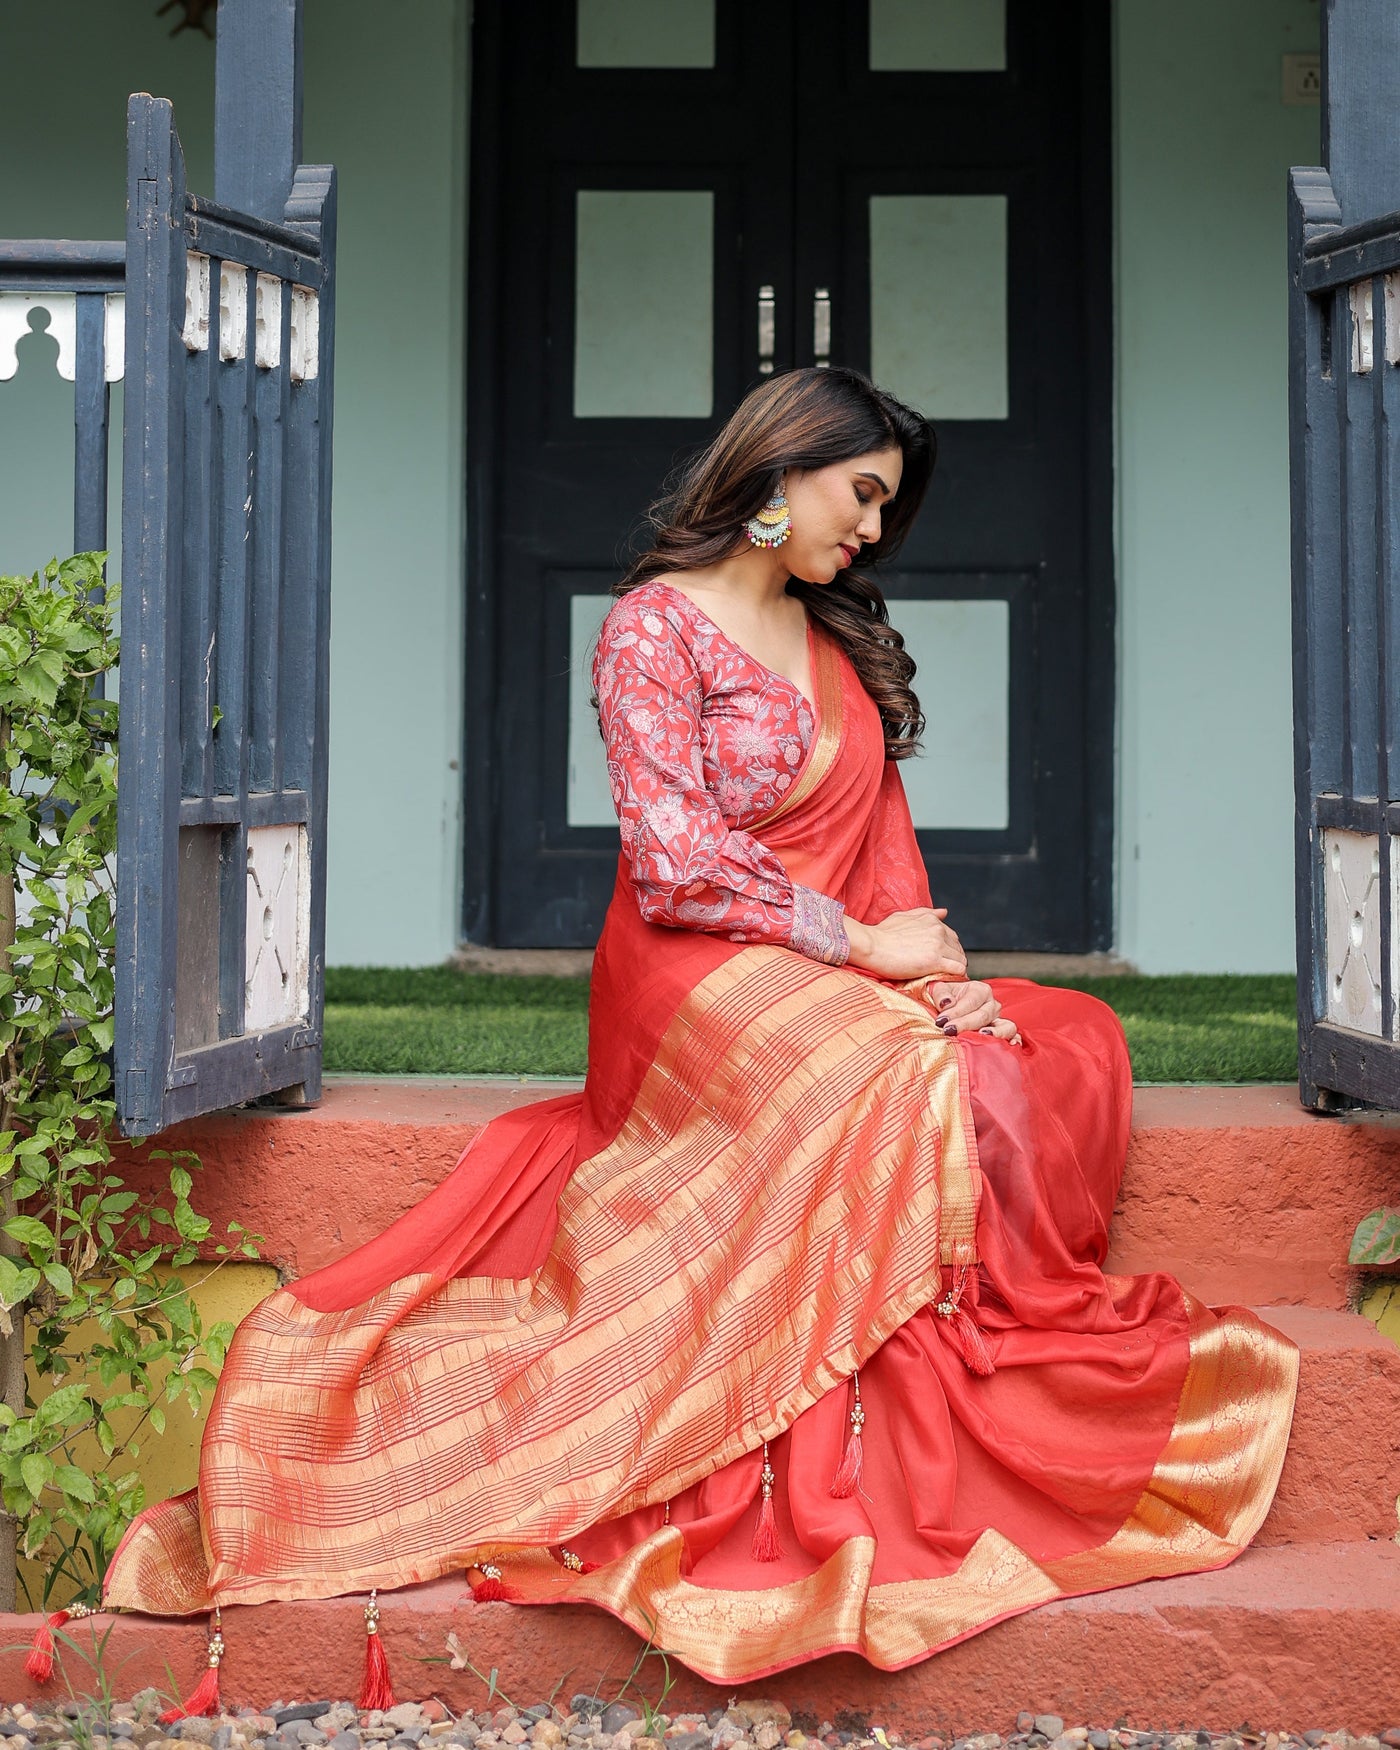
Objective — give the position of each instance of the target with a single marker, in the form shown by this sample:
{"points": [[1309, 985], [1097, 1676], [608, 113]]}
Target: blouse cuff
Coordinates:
{"points": [[818, 928]]}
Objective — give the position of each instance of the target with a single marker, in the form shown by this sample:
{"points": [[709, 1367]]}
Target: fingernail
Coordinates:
{"points": [[940, 1022], [945, 1002], [950, 1028], [984, 1029]]}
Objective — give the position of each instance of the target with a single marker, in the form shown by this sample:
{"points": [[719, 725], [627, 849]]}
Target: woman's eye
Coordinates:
{"points": [[862, 498]]}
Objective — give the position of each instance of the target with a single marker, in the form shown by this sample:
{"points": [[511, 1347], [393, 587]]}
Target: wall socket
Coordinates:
{"points": [[1302, 79]]}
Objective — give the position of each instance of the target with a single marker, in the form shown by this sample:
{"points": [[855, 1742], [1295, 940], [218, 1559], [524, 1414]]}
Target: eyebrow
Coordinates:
{"points": [[866, 475]]}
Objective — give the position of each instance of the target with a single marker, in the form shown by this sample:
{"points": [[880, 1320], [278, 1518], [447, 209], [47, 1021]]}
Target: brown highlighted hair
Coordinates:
{"points": [[805, 419]]}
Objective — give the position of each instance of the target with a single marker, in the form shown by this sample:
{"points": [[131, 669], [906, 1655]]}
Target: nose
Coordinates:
{"points": [[868, 528]]}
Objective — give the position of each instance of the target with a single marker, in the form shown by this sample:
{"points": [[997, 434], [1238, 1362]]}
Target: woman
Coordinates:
{"points": [[790, 1333]]}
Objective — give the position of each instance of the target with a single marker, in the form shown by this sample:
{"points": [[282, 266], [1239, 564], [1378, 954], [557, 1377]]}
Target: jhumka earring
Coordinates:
{"points": [[773, 524]]}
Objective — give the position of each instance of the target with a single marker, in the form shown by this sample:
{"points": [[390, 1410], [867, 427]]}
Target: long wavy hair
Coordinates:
{"points": [[804, 419]]}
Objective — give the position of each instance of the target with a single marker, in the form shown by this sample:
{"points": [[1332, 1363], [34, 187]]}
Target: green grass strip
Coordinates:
{"points": [[436, 1021]]}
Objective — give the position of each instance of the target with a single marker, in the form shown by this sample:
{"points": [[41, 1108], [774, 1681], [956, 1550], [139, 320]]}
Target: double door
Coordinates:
{"points": [[671, 198]]}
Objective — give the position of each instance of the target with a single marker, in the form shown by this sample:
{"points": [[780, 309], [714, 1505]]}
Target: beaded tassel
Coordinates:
{"points": [[575, 1563], [376, 1690], [766, 1546], [39, 1664], [205, 1699], [847, 1478], [962, 1327], [490, 1588]]}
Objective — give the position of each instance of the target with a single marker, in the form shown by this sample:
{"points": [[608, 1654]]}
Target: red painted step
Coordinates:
{"points": [[1292, 1637], [1237, 1191]]}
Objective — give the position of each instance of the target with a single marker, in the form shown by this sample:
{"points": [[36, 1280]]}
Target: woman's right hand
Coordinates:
{"points": [[908, 944]]}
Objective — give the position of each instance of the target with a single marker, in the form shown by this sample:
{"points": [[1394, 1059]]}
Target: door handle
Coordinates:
{"points": [[767, 330], [821, 328]]}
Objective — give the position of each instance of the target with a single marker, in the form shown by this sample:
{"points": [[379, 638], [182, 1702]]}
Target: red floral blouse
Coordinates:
{"points": [[700, 740]]}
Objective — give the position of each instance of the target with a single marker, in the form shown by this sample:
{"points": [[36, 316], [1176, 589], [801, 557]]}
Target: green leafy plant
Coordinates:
{"points": [[89, 1269], [1377, 1239]]}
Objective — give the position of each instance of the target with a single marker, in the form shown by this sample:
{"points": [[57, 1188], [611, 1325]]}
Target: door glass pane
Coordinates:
{"points": [[644, 304], [590, 800], [646, 33], [963, 651], [937, 36], [938, 302]]}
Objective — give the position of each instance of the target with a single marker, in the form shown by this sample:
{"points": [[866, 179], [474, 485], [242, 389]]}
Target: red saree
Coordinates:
{"points": [[780, 1177]]}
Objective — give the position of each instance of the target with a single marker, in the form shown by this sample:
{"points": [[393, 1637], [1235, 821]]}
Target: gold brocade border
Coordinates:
{"points": [[1208, 1494], [826, 680]]}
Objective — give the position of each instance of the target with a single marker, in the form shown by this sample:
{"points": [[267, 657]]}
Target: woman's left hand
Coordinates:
{"points": [[969, 1006]]}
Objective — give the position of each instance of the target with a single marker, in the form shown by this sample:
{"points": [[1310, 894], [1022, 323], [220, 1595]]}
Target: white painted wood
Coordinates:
{"points": [[1362, 343], [1392, 318], [305, 334], [269, 321], [233, 311], [1351, 885], [196, 330], [589, 801], [62, 311], [276, 965], [114, 337]]}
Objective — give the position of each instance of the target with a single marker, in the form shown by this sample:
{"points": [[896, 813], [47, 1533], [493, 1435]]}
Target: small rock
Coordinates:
{"points": [[615, 1716], [298, 1710], [1025, 1722], [726, 1733], [587, 1707], [694, 1741], [407, 1713], [514, 1733], [1099, 1741], [646, 1743], [346, 1740], [795, 1740], [546, 1734], [1391, 1739], [767, 1736], [1049, 1725]]}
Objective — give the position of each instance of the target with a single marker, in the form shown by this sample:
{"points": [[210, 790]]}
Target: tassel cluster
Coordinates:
{"points": [[39, 1663], [847, 1478], [962, 1327], [766, 1544], [376, 1691], [205, 1699]]}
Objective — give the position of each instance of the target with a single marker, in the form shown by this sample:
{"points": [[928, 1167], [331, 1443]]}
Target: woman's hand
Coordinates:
{"points": [[963, 1008], [908, 944]]}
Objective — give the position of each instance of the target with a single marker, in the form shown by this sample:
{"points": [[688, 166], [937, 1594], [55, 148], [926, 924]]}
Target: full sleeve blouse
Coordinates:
{"points": [[700, 738]]}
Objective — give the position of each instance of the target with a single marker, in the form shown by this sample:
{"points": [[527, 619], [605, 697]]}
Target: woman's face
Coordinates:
{"points": [[835, 511]]}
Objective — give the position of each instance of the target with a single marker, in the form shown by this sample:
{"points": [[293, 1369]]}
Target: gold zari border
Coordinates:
{"points": [[1207, 1497]]}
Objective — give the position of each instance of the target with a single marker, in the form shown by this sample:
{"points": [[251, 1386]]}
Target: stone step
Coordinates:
{"points": [[1297, 1637], [1237, 1191], [1341, 1476]]}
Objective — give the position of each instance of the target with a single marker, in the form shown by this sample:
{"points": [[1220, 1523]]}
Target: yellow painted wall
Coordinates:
{"points": [[167, 1463]]}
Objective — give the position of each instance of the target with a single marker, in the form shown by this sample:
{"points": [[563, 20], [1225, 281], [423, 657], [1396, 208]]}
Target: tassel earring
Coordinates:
{"points": [[964, 1330], [376, 1690], [205, 1699], [847, 1478], [773, 524], [766, 1546], [39, 1664]]}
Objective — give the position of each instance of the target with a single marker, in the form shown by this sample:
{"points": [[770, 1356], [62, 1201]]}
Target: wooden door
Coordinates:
{"points": [[649, 182]]}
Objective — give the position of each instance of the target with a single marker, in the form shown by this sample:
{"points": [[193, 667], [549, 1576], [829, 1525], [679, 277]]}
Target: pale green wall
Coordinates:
{"points": [[386, 103], [1205, 783], [1203, 143]]}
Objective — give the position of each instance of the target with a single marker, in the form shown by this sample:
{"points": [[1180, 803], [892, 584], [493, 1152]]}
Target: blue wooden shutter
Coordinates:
{"points": [[1344, 407], [230, 325]]}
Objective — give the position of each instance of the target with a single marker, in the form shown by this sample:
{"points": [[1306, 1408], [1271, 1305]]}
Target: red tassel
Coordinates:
{"points": [[847, 1478], [766, 1544], [39, 1664], [376, 1691], [490, 1588], [964, 1330], [205, 1699]]}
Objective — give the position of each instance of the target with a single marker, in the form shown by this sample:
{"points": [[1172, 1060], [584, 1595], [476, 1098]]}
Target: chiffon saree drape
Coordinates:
{"points": [[779, 1179]]}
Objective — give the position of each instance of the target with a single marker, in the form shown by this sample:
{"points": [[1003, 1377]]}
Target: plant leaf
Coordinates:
{"points": [[1377, 1239]]}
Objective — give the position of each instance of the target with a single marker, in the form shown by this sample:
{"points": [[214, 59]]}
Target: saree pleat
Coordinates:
{"points": [[779, 1173]]}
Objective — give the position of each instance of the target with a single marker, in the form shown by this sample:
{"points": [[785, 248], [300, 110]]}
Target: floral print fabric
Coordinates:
{"points": [[701, 740]]}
